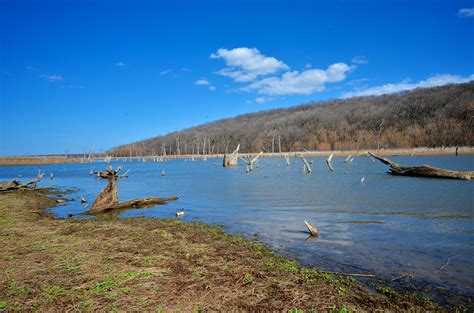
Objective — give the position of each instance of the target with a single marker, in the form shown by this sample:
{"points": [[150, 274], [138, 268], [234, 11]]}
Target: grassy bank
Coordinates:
{"points": [[138, 264]]}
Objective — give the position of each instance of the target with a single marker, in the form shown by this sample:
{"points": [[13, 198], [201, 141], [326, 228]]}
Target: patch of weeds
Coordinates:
{"points": [[387, 291], [111, 295], [342, 309], [35, 249], [127, 289], [136, 275], [294, 310], [88, 304], [248, 278], [278, 283], [163, 234], [10, 237], [22, 292], [341, 291], [51, 292], [103, 286], [289, 266], [3, 305]]}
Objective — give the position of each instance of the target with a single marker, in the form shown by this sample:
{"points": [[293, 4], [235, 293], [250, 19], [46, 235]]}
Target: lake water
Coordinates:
{"points": [[387, 225]]}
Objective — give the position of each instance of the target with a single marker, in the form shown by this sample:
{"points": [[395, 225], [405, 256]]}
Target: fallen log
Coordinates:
{"points": [[423, 170], [128, 204], [16, 184]]}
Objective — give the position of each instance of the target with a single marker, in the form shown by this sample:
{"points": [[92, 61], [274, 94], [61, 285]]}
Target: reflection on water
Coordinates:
{"points": [[387, 225]]}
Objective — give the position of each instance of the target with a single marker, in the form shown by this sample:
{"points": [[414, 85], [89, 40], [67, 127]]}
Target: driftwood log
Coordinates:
{"points": [[423, 171], [231, 159], [17, 185], [108, 200]]}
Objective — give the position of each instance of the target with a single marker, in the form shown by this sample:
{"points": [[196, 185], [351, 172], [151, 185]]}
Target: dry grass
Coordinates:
{"points": [[143, 264], [36, 160]]}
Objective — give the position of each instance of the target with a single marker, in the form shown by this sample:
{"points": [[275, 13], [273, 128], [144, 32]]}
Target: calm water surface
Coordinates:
{"points": [[387, 225]]}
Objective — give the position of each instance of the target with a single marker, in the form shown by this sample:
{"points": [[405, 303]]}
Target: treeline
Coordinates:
{"points": [[432, 117]]}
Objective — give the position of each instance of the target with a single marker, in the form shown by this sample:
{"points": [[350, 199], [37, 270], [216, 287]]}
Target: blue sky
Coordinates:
{"points": [[77, 74]]}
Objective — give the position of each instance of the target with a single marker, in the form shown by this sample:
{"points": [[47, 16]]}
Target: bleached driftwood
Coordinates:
{"points": [[312, 230], [17, 185], [111, 173], [306, 166], [328, 162], [231, 159], [423, 171], [250, 161]]}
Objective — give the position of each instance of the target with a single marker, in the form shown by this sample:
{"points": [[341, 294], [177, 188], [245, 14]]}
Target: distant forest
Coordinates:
{"points": [[430, 117]]}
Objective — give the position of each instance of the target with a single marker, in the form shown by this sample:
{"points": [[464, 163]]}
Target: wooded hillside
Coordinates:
{"points": [[432, 117]]}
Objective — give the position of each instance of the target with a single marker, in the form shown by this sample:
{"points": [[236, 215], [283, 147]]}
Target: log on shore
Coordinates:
{"points": [[17, 185], [423, 171]]}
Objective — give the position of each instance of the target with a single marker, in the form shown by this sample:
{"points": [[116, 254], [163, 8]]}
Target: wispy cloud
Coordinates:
{"points": [[246, 64], [466, 12], [433, 81], [202, 82], [264, 99], [164, 72], [359, 60], [120, 64], [212, 88], [52, 77], [300, 83]]}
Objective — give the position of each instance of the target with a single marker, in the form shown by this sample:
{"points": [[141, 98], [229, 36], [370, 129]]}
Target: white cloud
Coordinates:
{"points": [[300, 83], [308, 65], [433, 81], [246, 64], [202, 82], [248, 102], [466, 12], [120, 64], [264, 99], [52, 77], [164, 72], [359, 60], [212, 88]]}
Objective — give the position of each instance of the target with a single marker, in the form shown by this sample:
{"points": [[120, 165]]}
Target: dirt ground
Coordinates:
{"points": [[141, 264]]}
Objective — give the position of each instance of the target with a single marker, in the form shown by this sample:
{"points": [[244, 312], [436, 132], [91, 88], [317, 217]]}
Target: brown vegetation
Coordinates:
{"points": [[434, 117], [36, 160]]}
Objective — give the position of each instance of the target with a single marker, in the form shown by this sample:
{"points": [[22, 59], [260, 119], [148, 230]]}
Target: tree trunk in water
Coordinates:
{"points": [[424, 170]]}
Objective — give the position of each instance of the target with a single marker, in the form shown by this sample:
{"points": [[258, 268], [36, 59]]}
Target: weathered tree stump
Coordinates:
{"points": [[231, 159]]}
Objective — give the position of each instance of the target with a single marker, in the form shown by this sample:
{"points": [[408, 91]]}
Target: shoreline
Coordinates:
{"points": [[130, 258], [48, 160]]}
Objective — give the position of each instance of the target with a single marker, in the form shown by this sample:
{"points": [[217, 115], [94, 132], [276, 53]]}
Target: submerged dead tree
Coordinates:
{"points": [[17, 185], [231, 159], [250, 161], [111, 173], [306, 166], [423, 171], [107, 200]]}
